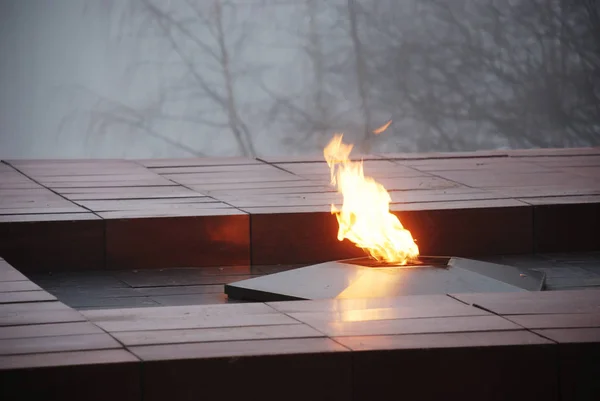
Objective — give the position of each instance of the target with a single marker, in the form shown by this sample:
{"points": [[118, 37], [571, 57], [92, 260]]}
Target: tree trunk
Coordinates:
{"points": [[316, 57], [360, 76], [242, 136]]}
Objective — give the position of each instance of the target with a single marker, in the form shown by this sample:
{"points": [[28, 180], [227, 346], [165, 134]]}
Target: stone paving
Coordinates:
{"points": [[113, 280], [72, 215], [478, 346], [198, 286]]}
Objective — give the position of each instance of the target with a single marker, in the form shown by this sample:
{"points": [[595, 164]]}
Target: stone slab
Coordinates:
{"points": [[348, 280]]}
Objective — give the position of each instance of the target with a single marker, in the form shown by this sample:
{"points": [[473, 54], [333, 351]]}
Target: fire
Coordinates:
{"points": [[382, 128], [365, 217]]}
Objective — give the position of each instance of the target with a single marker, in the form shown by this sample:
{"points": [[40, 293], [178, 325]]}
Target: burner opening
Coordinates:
{"points": [[421, 261]]}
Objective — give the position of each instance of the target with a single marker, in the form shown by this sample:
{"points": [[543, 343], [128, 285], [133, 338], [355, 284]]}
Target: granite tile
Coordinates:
{"points": [[209, 189], [187, 317], [569, 199], [25, 296], [363, 315], [197, 161], [504, 178], [77, 342], [81, 194], [182, 276], [193, 299], [59, 359], [16, 286], [9, 273], [49, 330], [572, 335], [255, 167], [92, 291], [86, 302], [180, 290], [16, 318], [10, 309], [340, 305], [189, 211], [236, 349], [556, 321], [139, 204], [545, 302], [441, 340], [568, 283], [192, 322], [76, 279], [411, 326], [153, 337], [207, 311]]}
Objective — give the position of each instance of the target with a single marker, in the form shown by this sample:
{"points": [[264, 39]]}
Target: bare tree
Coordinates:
{"points": [[317, 61], [454, 75], [317, 108], [200, 65], [337, 97], [523, 73], [361, 71]]}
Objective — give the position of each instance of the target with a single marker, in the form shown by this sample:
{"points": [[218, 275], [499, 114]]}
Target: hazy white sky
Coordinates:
{"points": [[49, 48], [60, 58], [58, 54]]}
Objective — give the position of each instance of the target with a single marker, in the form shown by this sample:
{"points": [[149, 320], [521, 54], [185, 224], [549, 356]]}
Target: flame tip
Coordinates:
{"points": [[381, 129]]}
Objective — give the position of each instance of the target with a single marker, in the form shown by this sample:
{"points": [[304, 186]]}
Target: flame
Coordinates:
{"points": [[365, 217], [382, 128]]}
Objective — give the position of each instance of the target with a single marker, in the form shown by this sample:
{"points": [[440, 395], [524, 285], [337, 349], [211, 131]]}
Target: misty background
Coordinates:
{"points": [[180, 78]]}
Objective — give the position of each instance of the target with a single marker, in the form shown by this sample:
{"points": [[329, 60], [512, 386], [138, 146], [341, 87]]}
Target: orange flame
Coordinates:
{"points": [[365, 217], [382, 128]]}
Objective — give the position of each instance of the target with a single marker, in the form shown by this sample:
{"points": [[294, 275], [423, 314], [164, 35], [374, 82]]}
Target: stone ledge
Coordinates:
{"points": [[97, 214]]}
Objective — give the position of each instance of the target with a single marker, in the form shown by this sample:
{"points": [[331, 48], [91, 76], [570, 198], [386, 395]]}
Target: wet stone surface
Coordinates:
{"points": [[199, 286], [563, 270]]}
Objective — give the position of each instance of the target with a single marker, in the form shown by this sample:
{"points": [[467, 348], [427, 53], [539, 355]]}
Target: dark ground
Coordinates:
{"points": [[190, 286]]}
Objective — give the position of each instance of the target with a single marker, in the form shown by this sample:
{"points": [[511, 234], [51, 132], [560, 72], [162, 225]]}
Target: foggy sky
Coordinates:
{"points": [[71, 71]]}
